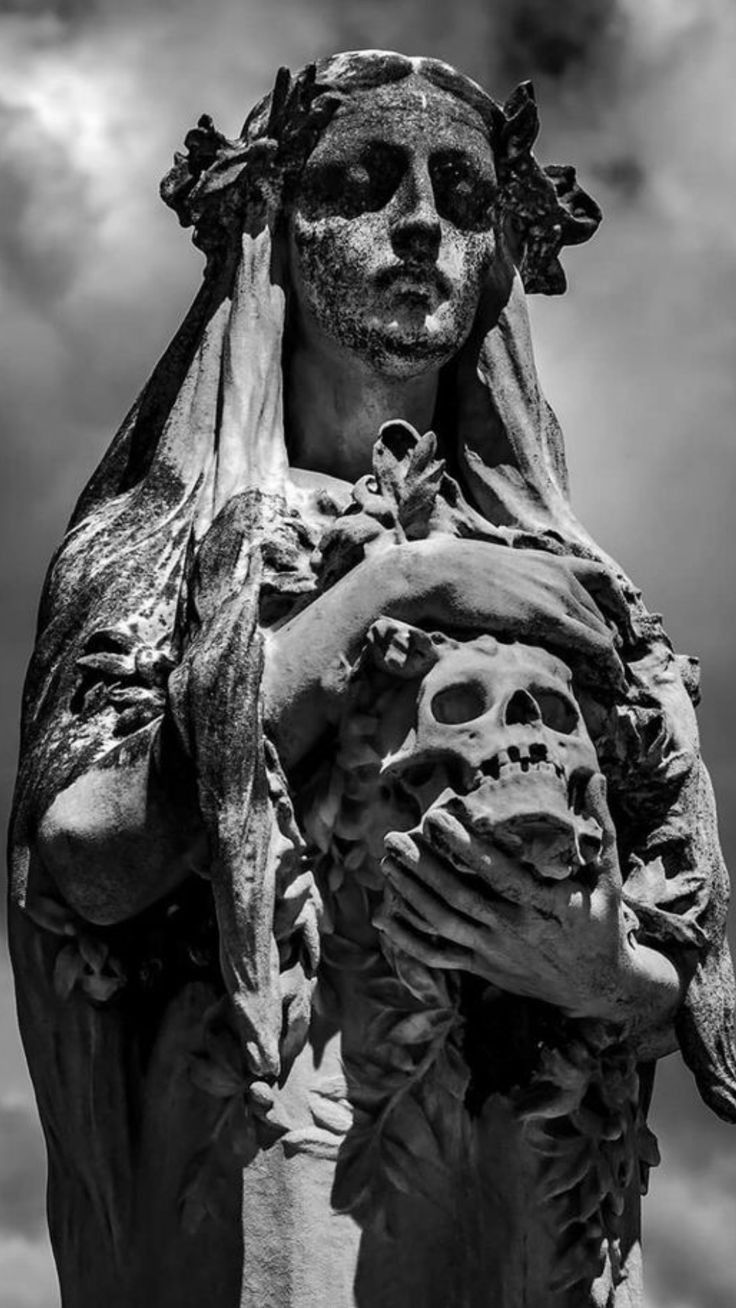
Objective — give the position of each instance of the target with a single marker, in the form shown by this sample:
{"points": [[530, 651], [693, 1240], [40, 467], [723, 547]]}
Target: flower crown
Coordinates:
{"points": [[218, 181]]}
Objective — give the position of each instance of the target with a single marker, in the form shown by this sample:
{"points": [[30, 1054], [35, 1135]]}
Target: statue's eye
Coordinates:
{"points": [[355, 194], [462, 193], [320, 190], [348, 188], [383, 167]]}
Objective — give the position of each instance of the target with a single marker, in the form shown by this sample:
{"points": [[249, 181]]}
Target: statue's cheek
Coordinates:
{"points": [[337, 250], [466, 257]]}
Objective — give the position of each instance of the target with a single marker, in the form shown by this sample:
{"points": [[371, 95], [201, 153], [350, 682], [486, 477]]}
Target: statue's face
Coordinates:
{"points": [[391, 231]]}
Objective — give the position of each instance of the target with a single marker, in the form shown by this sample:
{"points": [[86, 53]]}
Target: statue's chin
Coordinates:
{"points": [[412, 341]]}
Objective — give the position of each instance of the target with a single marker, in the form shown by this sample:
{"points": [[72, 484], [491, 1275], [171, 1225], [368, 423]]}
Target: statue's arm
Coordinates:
{"points": [[451, 585], [128, 829]]}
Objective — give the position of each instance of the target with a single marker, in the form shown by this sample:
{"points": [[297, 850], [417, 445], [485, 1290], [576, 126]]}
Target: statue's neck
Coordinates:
{"points": [[335, 406]]}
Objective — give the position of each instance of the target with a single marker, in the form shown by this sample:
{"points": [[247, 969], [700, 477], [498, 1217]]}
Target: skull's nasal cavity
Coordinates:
{"points": [[522, 708]]}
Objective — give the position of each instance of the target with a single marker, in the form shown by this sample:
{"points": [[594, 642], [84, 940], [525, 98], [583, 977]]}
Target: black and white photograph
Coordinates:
{"points": [[368, 388]]}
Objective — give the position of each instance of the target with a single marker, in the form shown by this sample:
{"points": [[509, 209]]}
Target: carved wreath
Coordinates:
{"points": [[211, 186]]}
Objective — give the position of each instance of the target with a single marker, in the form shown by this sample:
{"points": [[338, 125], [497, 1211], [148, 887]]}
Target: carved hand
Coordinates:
{"points": [[527, 595], [457, 903], [449, 584]]}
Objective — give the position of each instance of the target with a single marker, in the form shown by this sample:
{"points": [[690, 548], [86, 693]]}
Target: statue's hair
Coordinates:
{"points": [[209, 187]]}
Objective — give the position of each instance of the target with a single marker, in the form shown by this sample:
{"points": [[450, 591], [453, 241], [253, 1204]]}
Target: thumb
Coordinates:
{"points": [[596, 806]]}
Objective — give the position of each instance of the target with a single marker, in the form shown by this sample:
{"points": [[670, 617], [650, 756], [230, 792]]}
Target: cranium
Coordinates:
{"points": [[499, 725]]}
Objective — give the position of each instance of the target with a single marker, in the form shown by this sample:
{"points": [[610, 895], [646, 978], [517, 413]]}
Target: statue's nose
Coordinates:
{"points": [[415, 230]]}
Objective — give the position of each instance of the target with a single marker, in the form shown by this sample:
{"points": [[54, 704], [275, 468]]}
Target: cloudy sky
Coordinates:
{"points": [[638, 360]]}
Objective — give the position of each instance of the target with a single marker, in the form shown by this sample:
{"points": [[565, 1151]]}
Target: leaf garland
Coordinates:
{"points": [[583, 1118]]}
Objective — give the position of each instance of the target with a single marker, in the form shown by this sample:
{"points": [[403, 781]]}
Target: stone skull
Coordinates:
{"points": [[498, 725]]}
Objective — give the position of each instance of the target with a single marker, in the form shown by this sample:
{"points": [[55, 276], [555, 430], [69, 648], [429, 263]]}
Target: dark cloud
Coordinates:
{"points": [[23, 1172], [624, 174], [27, 1275], [535, 38], [38, 183], [37, 8], [689, 1234]]}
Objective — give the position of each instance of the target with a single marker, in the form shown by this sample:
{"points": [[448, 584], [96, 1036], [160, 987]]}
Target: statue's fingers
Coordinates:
{"points": [[596, 806], [502, 875], [578, 603], [575, 627], [594, 643], [442, 917], [605, 589], [435, 912], [454, 890], [396, 903], [427, 950]]}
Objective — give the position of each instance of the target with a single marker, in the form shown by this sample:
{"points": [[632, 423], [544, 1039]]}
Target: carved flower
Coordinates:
{"points": [[121, 670], [87, 965]]}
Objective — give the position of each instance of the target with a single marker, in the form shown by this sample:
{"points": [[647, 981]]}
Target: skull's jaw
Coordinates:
{"points": [[529, 816]]}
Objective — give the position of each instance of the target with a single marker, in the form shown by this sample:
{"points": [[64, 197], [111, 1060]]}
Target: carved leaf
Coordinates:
{"points": [[655, 898], [52, 915], [426, 984], [389, 1073], [214, 1078], [346, 955], [396, 1163], [565, 1172], [93, 950], [109, 666], [452, 1071], [387, 991], [409, 474], [205, 1192], [407, 1028], [101, 986], [67, 970], [354, 1173], [409, 1122]]}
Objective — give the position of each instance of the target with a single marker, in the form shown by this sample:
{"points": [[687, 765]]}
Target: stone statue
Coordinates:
{"points": [[363, 861]]}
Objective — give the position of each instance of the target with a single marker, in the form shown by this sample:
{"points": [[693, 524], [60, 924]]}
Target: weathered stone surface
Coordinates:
{"points": [[363, 860]]}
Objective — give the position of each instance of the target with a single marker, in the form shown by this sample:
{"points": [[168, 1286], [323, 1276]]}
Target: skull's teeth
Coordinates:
{"points": [[521, 758]]}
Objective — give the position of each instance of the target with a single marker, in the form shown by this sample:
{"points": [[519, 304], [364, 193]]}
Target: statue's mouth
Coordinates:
{"points": [[413, 277]]}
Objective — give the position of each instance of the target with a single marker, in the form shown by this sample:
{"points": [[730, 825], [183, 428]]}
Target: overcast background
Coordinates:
{"points": [[638, 360]]}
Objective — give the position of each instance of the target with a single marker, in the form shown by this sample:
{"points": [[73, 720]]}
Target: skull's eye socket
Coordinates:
{"points": [[557, 712], [456, 704]]}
